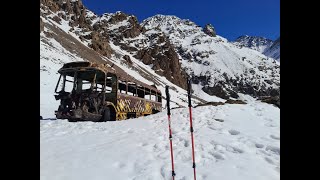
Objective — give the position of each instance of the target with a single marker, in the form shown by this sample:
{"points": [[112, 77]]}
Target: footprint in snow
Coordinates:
{"points": [[269, 160], [273, 149], [204, 177], [259, 145], [270, 125], [217, 156], [118, 165], [186, 143], [275, 137], [219, 120], [234, 132], [237, 150], [143, 144]]}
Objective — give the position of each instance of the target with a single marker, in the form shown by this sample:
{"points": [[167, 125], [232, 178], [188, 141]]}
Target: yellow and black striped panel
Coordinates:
{"points": [[140, 106]]}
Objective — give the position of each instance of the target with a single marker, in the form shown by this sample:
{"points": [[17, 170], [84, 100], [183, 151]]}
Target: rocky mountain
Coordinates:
{"points": [[209, 30], [266, 46], [218, 66], [161, 50]]}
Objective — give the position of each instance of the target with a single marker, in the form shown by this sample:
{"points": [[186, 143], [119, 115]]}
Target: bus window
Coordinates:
{"points": [[132, 89], [147, 94], [140, 91], [65, 83], [153, 96], [111, 83], [122, 87]]}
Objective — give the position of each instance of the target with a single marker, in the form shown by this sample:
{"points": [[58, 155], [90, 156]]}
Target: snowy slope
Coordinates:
{"points": [[245, 146]]}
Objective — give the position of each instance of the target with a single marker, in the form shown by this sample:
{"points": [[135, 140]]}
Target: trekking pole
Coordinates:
{"points": [[170, 134], [191, 128]]}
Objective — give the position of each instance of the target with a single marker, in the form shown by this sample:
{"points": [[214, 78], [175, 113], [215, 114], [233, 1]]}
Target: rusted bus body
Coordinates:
{"points": [[98, 93], [130, 106]]}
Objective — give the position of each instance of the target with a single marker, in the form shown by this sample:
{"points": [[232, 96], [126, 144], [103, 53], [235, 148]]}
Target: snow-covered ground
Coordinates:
{"points": [[231, 142]]}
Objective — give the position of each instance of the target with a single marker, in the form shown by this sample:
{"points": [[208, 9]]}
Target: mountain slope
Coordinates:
{"points": [[220, 67]]}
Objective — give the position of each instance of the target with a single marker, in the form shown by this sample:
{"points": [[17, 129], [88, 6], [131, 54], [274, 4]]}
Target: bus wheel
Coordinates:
{"points": [[154, 111], [106, 115]]}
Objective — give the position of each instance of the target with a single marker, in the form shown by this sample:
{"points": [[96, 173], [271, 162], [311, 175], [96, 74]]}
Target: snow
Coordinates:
{"points": [[120, 24], [231, 142], [64, 24]]}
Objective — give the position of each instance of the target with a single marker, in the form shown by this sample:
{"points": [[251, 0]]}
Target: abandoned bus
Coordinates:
{"points": [[95, 92]]}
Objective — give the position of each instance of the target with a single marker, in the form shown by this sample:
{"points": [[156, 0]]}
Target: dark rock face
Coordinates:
{"points": [[223, 91], [127, 58], [41, 25], [275, 100], [134, 30], [216, 91], [209, 30], [100, 44], [230, 101], [160, 54], [211, 104], [131, 30], [75, 12], [165, 62]]}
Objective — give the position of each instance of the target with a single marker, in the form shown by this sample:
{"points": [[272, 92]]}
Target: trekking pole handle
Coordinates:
{"points": [[168, 100], [189, 92]]}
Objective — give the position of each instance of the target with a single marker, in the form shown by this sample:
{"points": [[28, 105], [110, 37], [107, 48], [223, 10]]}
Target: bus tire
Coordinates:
{"points": [[106, 115], [109, 114]]}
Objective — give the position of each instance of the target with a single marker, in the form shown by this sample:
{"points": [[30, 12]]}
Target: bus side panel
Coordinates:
{"points": [[132, 104], [127, 103]]}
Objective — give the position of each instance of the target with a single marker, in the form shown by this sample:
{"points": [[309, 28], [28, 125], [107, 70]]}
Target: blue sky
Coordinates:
{"points": [[231, 18]]}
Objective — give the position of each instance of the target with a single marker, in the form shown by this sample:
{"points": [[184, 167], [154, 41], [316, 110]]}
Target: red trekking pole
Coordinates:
{"points": [[170, 134], [191, 128]]}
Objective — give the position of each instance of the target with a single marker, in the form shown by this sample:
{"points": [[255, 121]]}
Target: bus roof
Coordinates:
{"points": [[106, 68]]}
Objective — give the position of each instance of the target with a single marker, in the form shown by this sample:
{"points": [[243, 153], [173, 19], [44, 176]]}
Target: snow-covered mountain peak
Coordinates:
{"points": [[266, 46], [169, 23], [254, 42]]}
